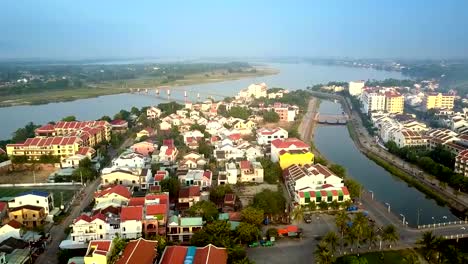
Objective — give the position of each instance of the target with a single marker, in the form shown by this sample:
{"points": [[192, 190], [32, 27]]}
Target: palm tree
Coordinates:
{"points": [[312, 206], [372, 237], [341, 221], [351, 238], [298, 213], [335, 205], [332, 240], [411, 258], [323, 254], [429, 245], [360, 226], [390, 234]]}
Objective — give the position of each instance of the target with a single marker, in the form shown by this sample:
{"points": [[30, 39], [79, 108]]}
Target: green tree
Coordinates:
{"points": [[252, 215], [69, 118], [217, 233], [119, 245], [171, 185], [201, 128], [239, 112], [169, 108], [332, 241], [204, 148], [123, 115], [271, 170], [205, 209], [217, 193], [323, 205], [323, 254], [429, 245], [105, 118], [298, 213], [270, 202], [21, 134], [247, 232], [135, 111], [360, 226], [86, 171], [390, 234], [272, 232], [270, 116], [339, 170], [411, 258]]}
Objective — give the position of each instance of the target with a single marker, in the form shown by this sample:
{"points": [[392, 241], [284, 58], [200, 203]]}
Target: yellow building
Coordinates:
{"points": [[98, 252], [298, 157], [438, 101], [34, 148], [394, 102], [28, 215]]}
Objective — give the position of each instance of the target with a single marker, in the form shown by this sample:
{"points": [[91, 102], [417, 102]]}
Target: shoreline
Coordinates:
{"points": [[397, 171], [94, 91]]}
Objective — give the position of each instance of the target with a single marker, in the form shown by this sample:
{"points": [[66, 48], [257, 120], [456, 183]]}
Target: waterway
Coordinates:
{"points": [[291, 76], [335, 143]]}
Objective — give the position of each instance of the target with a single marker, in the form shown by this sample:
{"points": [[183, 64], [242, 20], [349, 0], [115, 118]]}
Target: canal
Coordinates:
{"points": [[335, 143]]}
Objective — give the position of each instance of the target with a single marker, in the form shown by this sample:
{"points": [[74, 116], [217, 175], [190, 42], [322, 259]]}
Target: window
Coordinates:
{"points": [[100, 227], [34, 215], [100, 236], [16, 217], [124, 229], [37, 201]]}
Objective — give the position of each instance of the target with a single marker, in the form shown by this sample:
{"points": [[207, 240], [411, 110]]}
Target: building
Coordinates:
{"points": [[461, 163], [88, 228], [28, 215], [394, 102], [285, 112], [139, 251], [355, 87], [119, 126], [118, 195], [254, 90], [295, 156], [10, 229], [97, 130], [130, 160], [207, 255], [408, 138], [372, 101], [328, 196], [231, 173], [196, 177], [34, 198], [266, 135], [188, 196], [145, 148], [438, 101], [181, 229], [98, 252], [251, 171], [153, 112], [146, 132], [286, 144], [127, 177], [131, 218]]}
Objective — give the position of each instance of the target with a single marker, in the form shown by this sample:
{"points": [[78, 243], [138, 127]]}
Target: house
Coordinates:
{"points": [[3, 211], [295, 156], [118, 194], [461, 163], [81, 154], [145, 148], [28, 215], [408, 138], [88, 228], [164, 126], [253, 90], [213, 126], [195, 135], [181, 229], [159, 176], [188, 196], [197, 177], [153, 113], [207, 255], [34, 198], [252, 152], [155, 214], [127, 177], [139, 251], [244, 126], [286, 144], [231, 173], [119, 126], [10, 229], [339, 195], [285, 112], [131, 218], [266, 135], [168, 153], [251, 171], [130, 160], [98, 252], [146, 132]]}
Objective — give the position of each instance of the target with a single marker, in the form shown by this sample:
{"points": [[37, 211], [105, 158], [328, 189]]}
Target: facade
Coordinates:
{"points": [[299, 157], [339, 195], [266, 135], [181, 229], [438, 101], [34, 198], [394, 102], [181, 255], [119, 195], [119, 126], [285, 112], [287, 144], [98, 252], [461, 163], [28, 215], [355, 87], [86, 228], [130, 160], [231, 173], [408, 138], [372, 101], [251, 171], [131, 218]]}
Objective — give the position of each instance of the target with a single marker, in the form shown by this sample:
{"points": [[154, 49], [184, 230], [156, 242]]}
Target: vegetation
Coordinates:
{"points": [[270, 202], [271, 170], [69, 118], [252, 215], [21, 134], [171, 185], [85, 172], [119, 245], [205, 209], [169, 108], [270, 116], [391, 83], [217, 193], [438, 250], [239, 112]]}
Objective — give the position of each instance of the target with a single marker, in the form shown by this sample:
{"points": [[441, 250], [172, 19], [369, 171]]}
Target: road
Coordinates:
{"points": [[57, 232]]}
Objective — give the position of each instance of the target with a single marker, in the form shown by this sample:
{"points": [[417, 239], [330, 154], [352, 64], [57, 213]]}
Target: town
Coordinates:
{"points": [[228, 181]]}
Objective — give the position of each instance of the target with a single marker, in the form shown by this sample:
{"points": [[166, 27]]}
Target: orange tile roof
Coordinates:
{"points": [[139, 251]]}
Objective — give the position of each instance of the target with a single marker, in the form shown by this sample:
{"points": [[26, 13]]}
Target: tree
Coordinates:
{"points": [[86, 171], [169, 108], [353, 186], [341, 220], [247, 232], [105, 118], [390, 234], [371, 237], [429, 245], [123, 115], [217, 233], [171, 185], [118, 245], [353, 260], [217, 193], [323, 205], [204, 148], [21, 134], [312, 206], [411, 258], [339, 170], [298, 213], [198, 127], [205, 209], [335, 205], [252, 215], [270, 116], [323, 254], [270, 202], [360, 226], [69, 118], [239, 112], [332, 240], [135, 111], [272, 232], [271, 170]]}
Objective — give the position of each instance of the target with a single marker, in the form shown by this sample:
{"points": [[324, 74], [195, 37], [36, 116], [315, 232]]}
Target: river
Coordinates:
{"points": [[291, 76], [336, 145]]}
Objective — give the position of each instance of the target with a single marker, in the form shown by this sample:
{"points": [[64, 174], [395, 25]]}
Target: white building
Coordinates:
{"points": [[153, 112], [130, 160], [87, 228], [254, 90], [131, 222], [287, 144], [196, 177], [127, 177], [372, 101], [311, 177], [355, 87], [251, 171], [35, 198], [10, 229], [266, 135]]}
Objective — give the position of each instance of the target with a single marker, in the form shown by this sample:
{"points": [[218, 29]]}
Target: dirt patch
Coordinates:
{"points": [[247, 192], [283, 124], [26, 173]]}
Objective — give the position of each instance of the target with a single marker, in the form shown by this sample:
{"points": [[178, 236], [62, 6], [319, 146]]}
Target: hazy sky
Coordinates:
{"points": [[353, 28]]}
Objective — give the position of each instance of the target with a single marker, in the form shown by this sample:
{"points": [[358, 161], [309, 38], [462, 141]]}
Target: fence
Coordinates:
{"points": [[442, 224], [43, 184]]}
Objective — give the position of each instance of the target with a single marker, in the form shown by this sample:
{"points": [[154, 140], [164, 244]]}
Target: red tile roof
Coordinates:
{"points": [[118, 122], [101, 246], [118, 189], [131, 213], [210, 255], [245, 165], [3, 206], [288, 143], [173, 255], [15, 224], [156, 209], [85, 150], [46, 128], [235, 136], [189, 192], [168, 142], [139, 251], [136, 201]]}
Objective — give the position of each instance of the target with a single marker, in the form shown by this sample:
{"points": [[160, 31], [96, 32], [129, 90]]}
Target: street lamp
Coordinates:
{"points": [[444, 217], [419, 211], [372, 194], [404, 218], [388, 207], [433, 220]]}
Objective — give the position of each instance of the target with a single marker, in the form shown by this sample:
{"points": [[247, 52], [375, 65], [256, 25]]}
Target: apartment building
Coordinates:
{"points": [[93, 129], [372, 101], [355, 87], [438, 101], [34, 148], [394, 102], [461, 163]]}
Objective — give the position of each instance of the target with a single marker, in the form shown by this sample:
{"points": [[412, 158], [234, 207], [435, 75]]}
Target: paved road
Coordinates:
{"points": [[57, 232]]}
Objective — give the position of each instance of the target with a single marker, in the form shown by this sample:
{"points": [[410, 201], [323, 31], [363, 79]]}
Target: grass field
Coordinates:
{"points": [[13, 191], [387, 257]]}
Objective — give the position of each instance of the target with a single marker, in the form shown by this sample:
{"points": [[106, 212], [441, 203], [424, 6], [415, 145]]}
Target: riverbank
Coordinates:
{"points": [[393, 165], [118, 87]]}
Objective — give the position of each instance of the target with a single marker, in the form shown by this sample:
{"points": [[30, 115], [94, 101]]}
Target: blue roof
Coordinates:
{"points": [[38, 193]]}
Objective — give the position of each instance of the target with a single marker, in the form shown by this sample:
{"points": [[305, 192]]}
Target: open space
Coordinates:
{"points": [[66, 191]]}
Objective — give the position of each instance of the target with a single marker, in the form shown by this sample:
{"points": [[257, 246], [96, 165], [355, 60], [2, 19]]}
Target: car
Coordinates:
{"points": [[308, 218]]}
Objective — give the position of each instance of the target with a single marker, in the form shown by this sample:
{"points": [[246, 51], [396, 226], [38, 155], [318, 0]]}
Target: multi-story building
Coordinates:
{"points": [[188, 196], [394, 102], [196, 177], [285, 112], [28, 215], [254, 90], [180, 254], [64, 128], [286, 144], [438, 101], [355, 87], [139, 251], [34, 198], [87, 228], [181, 229], [127, 177], [266, 135], [461, 163], [98, 252], [372, 101], [295, 156], [131, 218], [153, 112], [408, 138], [251, 171]]}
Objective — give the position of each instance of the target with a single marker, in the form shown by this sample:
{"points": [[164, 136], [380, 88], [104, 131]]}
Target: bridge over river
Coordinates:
{"points": [[331, 119]]}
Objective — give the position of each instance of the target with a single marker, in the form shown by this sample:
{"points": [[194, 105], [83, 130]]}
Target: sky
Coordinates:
{"points": [[84, 29]]}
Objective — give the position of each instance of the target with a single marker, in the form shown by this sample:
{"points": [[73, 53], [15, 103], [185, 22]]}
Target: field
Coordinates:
{"points": [[388, 257], [116, 87], [67, 191]]}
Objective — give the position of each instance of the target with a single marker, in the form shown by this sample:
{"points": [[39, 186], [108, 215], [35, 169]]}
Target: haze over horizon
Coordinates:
{"points": [[363, 29]]}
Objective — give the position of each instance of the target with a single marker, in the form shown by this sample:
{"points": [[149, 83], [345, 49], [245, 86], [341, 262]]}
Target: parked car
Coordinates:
{"points": [[308, 218]]}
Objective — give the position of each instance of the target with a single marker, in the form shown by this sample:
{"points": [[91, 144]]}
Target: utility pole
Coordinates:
{"points": [[81, 175], [34, 175], [419, 211]]}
